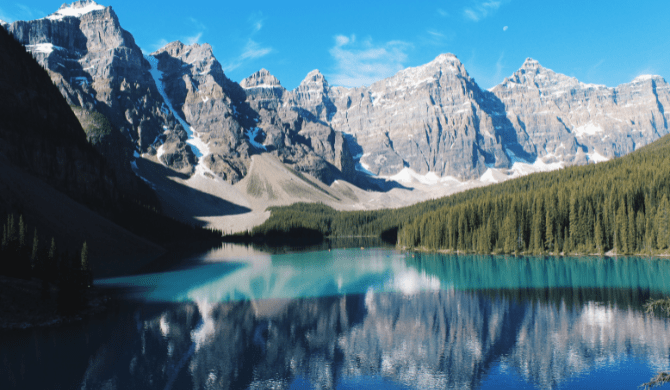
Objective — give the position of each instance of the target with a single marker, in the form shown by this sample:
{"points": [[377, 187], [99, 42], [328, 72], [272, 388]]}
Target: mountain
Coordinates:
{"points": [[559, 117], [425, 132], [51, 175], [435, 118]]}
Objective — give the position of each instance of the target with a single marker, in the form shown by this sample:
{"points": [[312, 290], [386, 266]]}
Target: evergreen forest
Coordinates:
{"points": [[616, 207]]}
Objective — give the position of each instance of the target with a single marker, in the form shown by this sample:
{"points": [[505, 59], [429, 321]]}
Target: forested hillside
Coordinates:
{"points": [[619, 206]]}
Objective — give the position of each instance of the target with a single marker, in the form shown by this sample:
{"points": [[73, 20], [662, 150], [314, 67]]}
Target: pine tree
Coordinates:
{"points": [[52, 250], [35, 249], [662, 228], [549, 235], [622, 230], [631, 238], [22, 232], [598, 236], [84, 257]]}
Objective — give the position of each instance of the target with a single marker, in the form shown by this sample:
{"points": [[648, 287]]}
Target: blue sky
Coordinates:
{"points": [[355, 43]]}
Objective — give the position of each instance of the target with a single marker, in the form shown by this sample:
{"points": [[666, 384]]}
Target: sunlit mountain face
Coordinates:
{"points": [[357, 318]]}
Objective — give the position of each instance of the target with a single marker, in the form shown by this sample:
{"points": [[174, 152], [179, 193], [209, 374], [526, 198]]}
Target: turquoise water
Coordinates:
{"points": [[362, 318]]}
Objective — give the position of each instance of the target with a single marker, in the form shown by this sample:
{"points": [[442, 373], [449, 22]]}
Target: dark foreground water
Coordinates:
{"points": [[352, 318]]}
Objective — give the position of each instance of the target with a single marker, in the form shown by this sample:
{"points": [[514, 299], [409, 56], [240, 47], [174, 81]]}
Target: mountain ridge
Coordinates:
{"points": [[429, 125]]}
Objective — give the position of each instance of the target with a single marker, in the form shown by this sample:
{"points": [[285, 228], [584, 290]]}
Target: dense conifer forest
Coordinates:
{"points": [[620, 206]]}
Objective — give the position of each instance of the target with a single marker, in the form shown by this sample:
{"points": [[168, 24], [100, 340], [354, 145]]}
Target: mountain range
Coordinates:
{"points": [[220, 152]]}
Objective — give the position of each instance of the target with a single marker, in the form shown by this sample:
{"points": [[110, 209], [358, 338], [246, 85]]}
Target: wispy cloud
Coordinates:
{"points": [[436, 37], [505, 28], [197, 24], [199, 28], [193, 39], [498, 76], [20, 12], [481, 9], [159, 44], [27, 12], [5, 16], [252, 49], [256, 20], [442, 12], [487, 74], [363, 63]]}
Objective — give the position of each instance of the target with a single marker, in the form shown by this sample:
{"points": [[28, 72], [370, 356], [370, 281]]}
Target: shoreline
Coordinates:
{"points": [[561, 254], [26, 306]]}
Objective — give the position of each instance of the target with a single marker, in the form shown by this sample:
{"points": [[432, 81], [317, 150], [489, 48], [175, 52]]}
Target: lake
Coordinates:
{"points": [[238, 318]]}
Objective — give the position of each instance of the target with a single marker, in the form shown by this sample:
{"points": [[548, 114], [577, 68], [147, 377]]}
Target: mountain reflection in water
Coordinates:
{"points": [[383, 319]]}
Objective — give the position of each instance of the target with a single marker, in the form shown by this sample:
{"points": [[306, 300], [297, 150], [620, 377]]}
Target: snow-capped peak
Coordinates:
{"points": [[314, 77], [446, 57], [76, 9], [531, 63], [644, 77]]}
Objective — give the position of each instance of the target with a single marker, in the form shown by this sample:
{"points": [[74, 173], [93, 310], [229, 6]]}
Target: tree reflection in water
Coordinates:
{"points": [[390, 320]]}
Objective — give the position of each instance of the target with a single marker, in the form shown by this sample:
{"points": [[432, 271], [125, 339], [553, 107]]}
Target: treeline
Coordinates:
{"points": [[620, 206], [26, 255]]}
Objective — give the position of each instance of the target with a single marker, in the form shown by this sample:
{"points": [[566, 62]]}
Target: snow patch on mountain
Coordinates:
{"points": [[587, 129], [408, 175], [596, 157], [200, 149], [76, 10], [643, 77], [46, 48]]}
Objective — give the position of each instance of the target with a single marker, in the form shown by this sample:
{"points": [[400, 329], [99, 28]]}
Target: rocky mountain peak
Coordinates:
{"points": [[648, 77], [76, 9], [172, 48], [446, 58], [314, 77], [261, 79], [444, 65], [533, 75], [530, 63], [449, 62]]}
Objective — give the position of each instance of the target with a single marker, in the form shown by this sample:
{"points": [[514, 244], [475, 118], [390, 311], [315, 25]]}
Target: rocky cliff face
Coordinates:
{"points": [[178, 104], [432, 118], [570, 121], [97, 65], [233, 121], [435, 118]]}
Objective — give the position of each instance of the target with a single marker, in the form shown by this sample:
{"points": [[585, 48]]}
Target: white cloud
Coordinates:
{"points": [[159, 44], [363, 63], [193, 39], [253, 50], [505, 28], [442, 12], [481, 9], [499, 68], [256, 20], [27, 12], [197, 24]]}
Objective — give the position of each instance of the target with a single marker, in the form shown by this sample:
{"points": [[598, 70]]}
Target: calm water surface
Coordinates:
{"points": [[351, 318]]}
